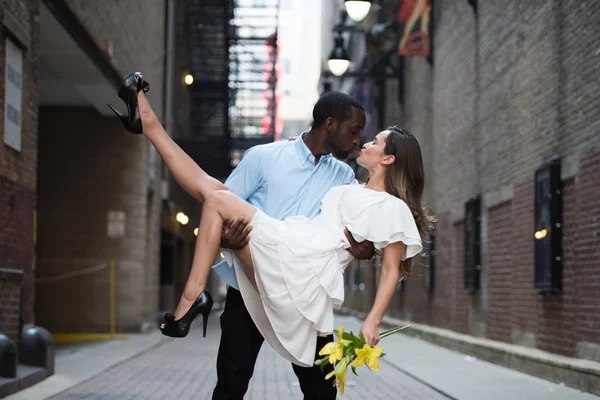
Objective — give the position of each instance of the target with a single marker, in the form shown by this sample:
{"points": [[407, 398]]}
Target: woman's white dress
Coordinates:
{"points": [[299, 264]]}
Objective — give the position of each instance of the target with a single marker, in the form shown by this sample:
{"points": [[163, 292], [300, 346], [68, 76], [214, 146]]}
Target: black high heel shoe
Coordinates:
{"points": [[181, 327], [128, 93]]}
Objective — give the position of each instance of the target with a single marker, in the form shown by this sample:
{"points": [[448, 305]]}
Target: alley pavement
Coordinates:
{"points": [[165, 368]]}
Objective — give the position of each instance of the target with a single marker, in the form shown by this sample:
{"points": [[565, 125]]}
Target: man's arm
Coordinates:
{"points": [[364, 250], [361, 251]]}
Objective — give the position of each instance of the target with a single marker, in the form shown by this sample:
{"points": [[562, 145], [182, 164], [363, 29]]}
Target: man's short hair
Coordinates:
{"points": [[336, 105]]}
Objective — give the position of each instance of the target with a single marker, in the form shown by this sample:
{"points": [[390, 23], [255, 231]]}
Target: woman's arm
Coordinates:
{"points": [[184, 170], [388, 281]]}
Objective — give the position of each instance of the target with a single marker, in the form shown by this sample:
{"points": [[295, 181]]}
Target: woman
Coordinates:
{"points": [[291, 272]]}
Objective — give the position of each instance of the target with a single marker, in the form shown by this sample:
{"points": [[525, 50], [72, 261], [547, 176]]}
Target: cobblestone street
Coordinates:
{"points": [[185, 369]]}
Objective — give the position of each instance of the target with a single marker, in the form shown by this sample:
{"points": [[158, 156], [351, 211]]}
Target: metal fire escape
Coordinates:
{"points": [[253, 75], [207, 31], [231, 52]]}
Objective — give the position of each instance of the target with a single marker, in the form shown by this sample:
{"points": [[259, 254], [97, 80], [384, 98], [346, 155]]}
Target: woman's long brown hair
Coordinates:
{"points": [[405, 179]]}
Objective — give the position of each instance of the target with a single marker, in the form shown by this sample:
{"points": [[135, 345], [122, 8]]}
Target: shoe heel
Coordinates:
{"points": [[204, 323], [117, 112]]}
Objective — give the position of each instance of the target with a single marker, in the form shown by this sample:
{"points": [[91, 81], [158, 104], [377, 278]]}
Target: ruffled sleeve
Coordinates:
{"points": [[380, 218]]}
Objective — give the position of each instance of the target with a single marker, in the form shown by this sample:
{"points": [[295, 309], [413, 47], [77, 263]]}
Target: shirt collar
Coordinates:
{"points": [[304, 152]]}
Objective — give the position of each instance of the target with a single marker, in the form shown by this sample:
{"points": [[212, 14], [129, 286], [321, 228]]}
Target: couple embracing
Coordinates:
{"points": [[290, 218]]}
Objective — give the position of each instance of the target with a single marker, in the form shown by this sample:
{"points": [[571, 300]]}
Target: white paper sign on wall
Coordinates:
{"points": [[116, 224], [13, 95]]}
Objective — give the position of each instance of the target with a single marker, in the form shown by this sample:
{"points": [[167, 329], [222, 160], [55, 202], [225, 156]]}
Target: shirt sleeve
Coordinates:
{"points": [[247, 177]]}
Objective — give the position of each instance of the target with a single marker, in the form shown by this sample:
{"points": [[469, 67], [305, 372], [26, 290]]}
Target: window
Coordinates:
{"points": [[13, 91], [548, 228], [472, 244], [429, 274], [431, 31], [473, 4]]}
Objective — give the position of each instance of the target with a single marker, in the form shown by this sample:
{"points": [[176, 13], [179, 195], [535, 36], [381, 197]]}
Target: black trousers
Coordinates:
{"points": [[239, 347]]}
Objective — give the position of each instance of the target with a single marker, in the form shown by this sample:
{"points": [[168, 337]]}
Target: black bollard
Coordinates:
{"points": [[36, 348], [8, 357]]}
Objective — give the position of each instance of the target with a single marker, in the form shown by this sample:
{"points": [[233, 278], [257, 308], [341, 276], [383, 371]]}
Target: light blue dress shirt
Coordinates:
{"points": [[282, 180]]}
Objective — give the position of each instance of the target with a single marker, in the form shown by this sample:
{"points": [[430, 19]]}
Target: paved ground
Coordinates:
{"points": [[185, 369], [154, 367]]}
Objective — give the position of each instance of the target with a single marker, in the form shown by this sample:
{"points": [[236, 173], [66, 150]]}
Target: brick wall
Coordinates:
{"points": [[500, 277], [10, 295], [510, 87], [79, 183], [585, 253], [17, 169]]}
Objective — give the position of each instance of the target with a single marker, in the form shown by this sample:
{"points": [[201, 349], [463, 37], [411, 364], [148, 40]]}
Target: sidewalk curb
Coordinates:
{"points": [[573, 372]]}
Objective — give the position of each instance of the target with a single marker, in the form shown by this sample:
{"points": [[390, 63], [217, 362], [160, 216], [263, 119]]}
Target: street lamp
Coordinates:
{"points": [[339, 61], [357, 9], [188, 79]]}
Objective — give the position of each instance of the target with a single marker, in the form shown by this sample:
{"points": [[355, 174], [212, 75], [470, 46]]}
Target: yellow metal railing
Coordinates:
{"points": [[64, 338]]}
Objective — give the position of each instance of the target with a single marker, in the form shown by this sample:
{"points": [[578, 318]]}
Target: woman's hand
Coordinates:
{"points": [[370, 331]]}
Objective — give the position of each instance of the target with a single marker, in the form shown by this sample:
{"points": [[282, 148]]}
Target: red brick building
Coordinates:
{"points": [[509, 86], [18, 162]]}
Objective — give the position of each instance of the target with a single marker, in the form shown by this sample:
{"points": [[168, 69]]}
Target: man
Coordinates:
{"points": [[286, 179]]}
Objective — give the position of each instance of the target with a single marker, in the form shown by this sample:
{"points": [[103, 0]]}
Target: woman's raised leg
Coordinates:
{"points": [[184, 170], [219, 206]]}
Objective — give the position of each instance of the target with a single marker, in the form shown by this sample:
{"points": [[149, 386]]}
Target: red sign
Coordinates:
{"points": [[416, 40]]}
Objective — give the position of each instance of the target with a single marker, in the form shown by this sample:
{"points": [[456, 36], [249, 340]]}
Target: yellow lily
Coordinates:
{"points": [[335, 350], [368, 355], [341, 380], [340, 375]]}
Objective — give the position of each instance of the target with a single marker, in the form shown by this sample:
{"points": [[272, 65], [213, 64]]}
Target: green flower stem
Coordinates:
{"points": [[392, 331]]}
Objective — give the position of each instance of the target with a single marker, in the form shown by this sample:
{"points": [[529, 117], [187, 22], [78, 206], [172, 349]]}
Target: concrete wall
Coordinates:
{"points": [[89, 165], [137, 33], [83, 181]]}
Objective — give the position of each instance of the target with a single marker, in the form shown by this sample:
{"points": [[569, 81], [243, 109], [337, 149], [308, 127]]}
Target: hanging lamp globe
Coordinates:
{"points": [[357, 9], [339, 61]]}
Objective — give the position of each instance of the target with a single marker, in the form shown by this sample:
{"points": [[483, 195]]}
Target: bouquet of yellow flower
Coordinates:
{"points": [[351, 350]]}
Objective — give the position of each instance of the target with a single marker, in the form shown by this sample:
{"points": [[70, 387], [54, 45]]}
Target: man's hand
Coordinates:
{"points": [[361, 251], [235, 234]]}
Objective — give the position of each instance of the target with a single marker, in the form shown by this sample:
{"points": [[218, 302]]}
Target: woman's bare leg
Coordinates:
{"points": [[219, 206], [184, 170], [412, 20]]}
